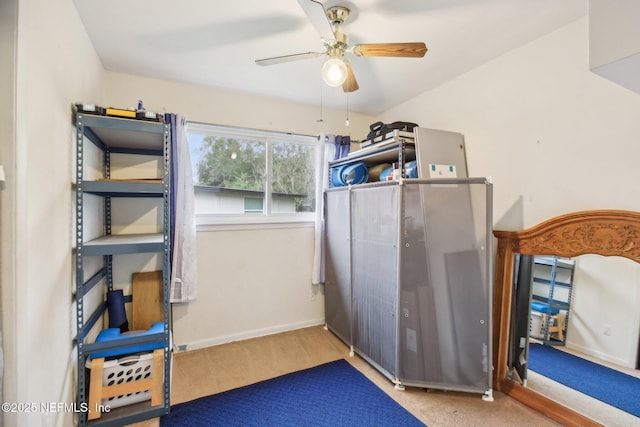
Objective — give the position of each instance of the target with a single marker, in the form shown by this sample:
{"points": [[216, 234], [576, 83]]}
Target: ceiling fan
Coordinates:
{"points": [[336, 70]]}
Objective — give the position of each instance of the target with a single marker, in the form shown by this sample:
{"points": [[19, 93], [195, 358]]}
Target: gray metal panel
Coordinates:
{"points": [[418, 350], [441, 148], [337, 289], [445, 325], [374, 274]]}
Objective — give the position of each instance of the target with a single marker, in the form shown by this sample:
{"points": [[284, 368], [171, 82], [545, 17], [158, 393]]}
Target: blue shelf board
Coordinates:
{"points": [[122, 132], [124, 188], [124, 244]]}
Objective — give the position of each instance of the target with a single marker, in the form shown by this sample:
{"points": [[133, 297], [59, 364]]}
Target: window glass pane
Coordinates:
{"points": [[293, 177], [226, 170], [231, 163], [244, 174]]}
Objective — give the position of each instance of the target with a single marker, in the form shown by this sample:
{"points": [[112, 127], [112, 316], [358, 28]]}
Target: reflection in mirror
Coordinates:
{"points": [[602, 319], [579, 307]]}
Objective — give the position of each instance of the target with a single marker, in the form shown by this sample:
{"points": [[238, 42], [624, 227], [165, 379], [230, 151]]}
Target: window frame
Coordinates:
{"points": [[269, 138]]}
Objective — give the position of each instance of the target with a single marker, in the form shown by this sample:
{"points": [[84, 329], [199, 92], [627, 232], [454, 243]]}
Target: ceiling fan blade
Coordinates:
{"points": [[350, 85], [318, 17], [287, 58], [404, 50]]}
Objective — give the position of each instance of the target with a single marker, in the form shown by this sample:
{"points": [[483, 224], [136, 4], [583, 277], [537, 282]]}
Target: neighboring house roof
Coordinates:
{"points": [[239, 191]]}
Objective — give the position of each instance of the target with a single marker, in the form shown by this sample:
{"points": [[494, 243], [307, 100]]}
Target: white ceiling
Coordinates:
{"points": [[215, 43]]}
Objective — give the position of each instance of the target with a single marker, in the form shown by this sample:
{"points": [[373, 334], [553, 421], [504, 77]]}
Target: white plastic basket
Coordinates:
{"points": [[536, 325], [126, 369]]}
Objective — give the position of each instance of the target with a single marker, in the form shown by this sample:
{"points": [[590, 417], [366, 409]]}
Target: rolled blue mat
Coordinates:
{"points": [[336, 176], [355, 173], [117, 314]]}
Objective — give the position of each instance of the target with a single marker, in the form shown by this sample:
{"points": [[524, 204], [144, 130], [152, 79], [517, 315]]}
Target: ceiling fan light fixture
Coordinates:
{"points": [[337, 71], [334, 72]]}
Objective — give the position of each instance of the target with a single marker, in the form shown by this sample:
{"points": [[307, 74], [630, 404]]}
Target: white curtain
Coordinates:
{"points": [[327, 153], [184, 259]]}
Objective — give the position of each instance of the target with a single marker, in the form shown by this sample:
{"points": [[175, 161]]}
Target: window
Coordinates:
{"points": [[253, 204], [243, 175]]}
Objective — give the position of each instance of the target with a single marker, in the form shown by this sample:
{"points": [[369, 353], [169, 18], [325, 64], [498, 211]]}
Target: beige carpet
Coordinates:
{"points": [[203, 372]]}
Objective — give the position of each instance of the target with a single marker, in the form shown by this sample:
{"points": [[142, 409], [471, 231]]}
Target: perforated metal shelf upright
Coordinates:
{"points": [[129, 137]]}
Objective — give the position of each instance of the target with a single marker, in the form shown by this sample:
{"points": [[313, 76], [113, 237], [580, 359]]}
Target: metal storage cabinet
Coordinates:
{"points": [[95, 245], [420, 280], [338, 265]]}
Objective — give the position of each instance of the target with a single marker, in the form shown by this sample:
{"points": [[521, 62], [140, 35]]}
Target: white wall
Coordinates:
{"points": [[251, 281], [606, 302], [224, 107], [555, 138], [8, 47], [56, 66]]}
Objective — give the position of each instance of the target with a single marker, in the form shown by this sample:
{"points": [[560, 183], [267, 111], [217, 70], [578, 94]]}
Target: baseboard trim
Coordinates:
{"points": [[245, 335], [599, 355]]}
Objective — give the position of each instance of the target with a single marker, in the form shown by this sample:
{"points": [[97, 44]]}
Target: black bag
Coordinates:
{"points": [[380, 129]]}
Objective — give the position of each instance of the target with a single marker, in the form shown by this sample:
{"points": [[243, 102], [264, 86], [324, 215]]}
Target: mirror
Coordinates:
{"points": [[607, 233], [595, 300]]}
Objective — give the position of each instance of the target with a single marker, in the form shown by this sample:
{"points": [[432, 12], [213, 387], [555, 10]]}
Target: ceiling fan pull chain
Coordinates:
{"points": [[346, 123], [321, 119]]}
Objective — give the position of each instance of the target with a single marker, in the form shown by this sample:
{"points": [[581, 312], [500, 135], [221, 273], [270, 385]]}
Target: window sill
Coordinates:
{"points": [[210, 222]]}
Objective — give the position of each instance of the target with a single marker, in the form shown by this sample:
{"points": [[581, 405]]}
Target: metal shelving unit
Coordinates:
{"points": [[131, 137], [553, 286], [396, 149]]}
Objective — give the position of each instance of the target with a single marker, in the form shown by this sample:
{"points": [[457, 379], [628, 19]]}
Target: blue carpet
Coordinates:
{"points": [[607, 385], [333, 394]]}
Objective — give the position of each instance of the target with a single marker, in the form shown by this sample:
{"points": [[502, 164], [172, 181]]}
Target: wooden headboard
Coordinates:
{"points": [[601, 232]]}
